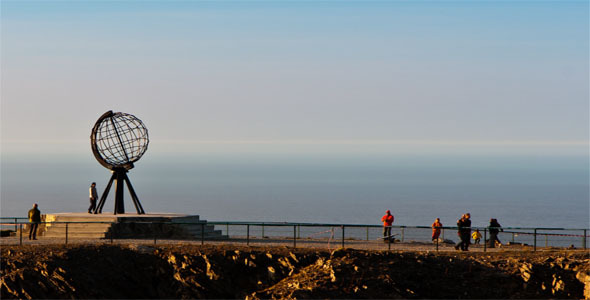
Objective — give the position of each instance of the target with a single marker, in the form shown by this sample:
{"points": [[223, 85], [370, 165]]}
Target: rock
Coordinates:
{"points": [[340, 252], [221, 272], [293, 256], [558, 285], [210, 272], [584, 278], [271, 272], [251, 264], [332, 275], [526, 271], [172, 259]]}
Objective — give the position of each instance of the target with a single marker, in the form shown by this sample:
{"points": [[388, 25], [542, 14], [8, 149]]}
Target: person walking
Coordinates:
{"points": [[387, 220], [476, 236], [464, 232], [34, 220], [436, 229], [460, 224], [494, 229], [93, 197]]}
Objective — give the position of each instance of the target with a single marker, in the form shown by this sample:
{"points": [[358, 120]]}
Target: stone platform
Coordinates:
{"points": [[108, 225]]}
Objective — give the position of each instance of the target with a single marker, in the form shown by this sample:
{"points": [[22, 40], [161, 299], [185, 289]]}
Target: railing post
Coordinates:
{"points": [[513, 237], [15, 221], [66, 233], [294, 236], [546, 240], [367, 233], [298, 231], [342, 236], [21, 234], [202, 233], [262, 230], [584, 239], [485, 236], [248, 235], [535, 240]]}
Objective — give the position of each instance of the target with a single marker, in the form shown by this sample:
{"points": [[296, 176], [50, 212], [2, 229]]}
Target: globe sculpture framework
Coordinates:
{"points": [[118, 140]]}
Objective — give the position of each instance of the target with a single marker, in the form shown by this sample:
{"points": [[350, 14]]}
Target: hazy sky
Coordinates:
{"points": [[275, 71]]}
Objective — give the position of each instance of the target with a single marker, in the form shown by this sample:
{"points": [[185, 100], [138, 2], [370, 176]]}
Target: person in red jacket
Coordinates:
{"points": [[436, 229], [387, 221]]}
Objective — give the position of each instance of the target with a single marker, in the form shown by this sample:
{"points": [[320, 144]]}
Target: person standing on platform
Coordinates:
{"points": [[464, 232], [387, 220], [494, 229], [436, 229], [460, 224], [93, 197], [34, 220]]}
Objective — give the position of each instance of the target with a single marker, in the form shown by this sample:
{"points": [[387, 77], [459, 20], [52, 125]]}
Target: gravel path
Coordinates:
{"points": [[274, 242]]}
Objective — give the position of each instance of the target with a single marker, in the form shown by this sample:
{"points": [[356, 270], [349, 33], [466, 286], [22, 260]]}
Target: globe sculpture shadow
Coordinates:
{"points": [[118, 140]]}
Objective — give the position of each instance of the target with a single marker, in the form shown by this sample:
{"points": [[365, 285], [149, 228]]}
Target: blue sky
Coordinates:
{"points": [[305, 72]]}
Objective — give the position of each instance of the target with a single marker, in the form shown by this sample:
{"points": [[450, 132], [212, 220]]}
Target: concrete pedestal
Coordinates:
{"points": [[108, 225]]}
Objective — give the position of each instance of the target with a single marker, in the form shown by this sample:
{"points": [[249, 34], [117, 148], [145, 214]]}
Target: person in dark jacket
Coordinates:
{"points": [[34, 219], [494, 229], [464, 232], [460, 223], [93, 197]]}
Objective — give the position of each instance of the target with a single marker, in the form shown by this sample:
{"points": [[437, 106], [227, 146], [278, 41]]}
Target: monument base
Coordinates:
{"points": [[127, 226]]}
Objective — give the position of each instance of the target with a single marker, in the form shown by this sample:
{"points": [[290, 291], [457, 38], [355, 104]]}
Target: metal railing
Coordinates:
{"points": [[344, 235]]}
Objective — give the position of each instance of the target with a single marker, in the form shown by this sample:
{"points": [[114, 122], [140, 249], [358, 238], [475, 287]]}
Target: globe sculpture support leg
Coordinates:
{"points": [[103, 198], [134, 197], [119, 176], [119, 186]]}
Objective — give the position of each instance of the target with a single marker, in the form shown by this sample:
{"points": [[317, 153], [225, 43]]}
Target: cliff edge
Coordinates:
{"points": [[181, 271]]}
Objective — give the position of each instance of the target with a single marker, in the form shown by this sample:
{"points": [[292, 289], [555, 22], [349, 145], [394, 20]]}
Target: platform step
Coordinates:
{"points": [[188, 219], [89, 235], [90, 218], [80, 225]]}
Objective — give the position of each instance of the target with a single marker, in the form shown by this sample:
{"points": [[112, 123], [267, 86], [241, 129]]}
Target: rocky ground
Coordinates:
{"points": [[218, 271]]}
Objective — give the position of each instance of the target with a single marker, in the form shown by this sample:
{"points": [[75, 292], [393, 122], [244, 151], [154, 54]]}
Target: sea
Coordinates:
{"points": [[520, 189]]}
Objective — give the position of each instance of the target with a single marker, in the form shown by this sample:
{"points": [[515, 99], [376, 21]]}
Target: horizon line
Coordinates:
{"points": [[330, 142]]}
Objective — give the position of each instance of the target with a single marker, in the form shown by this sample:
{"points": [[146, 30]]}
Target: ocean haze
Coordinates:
{"points": [[519, 190]]}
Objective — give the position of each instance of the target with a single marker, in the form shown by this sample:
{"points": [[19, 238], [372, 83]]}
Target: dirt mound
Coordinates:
{"points": [[179, 271]]}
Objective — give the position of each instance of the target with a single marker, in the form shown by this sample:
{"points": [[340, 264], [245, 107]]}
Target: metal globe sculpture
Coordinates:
{"points": [[117, 141]]}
